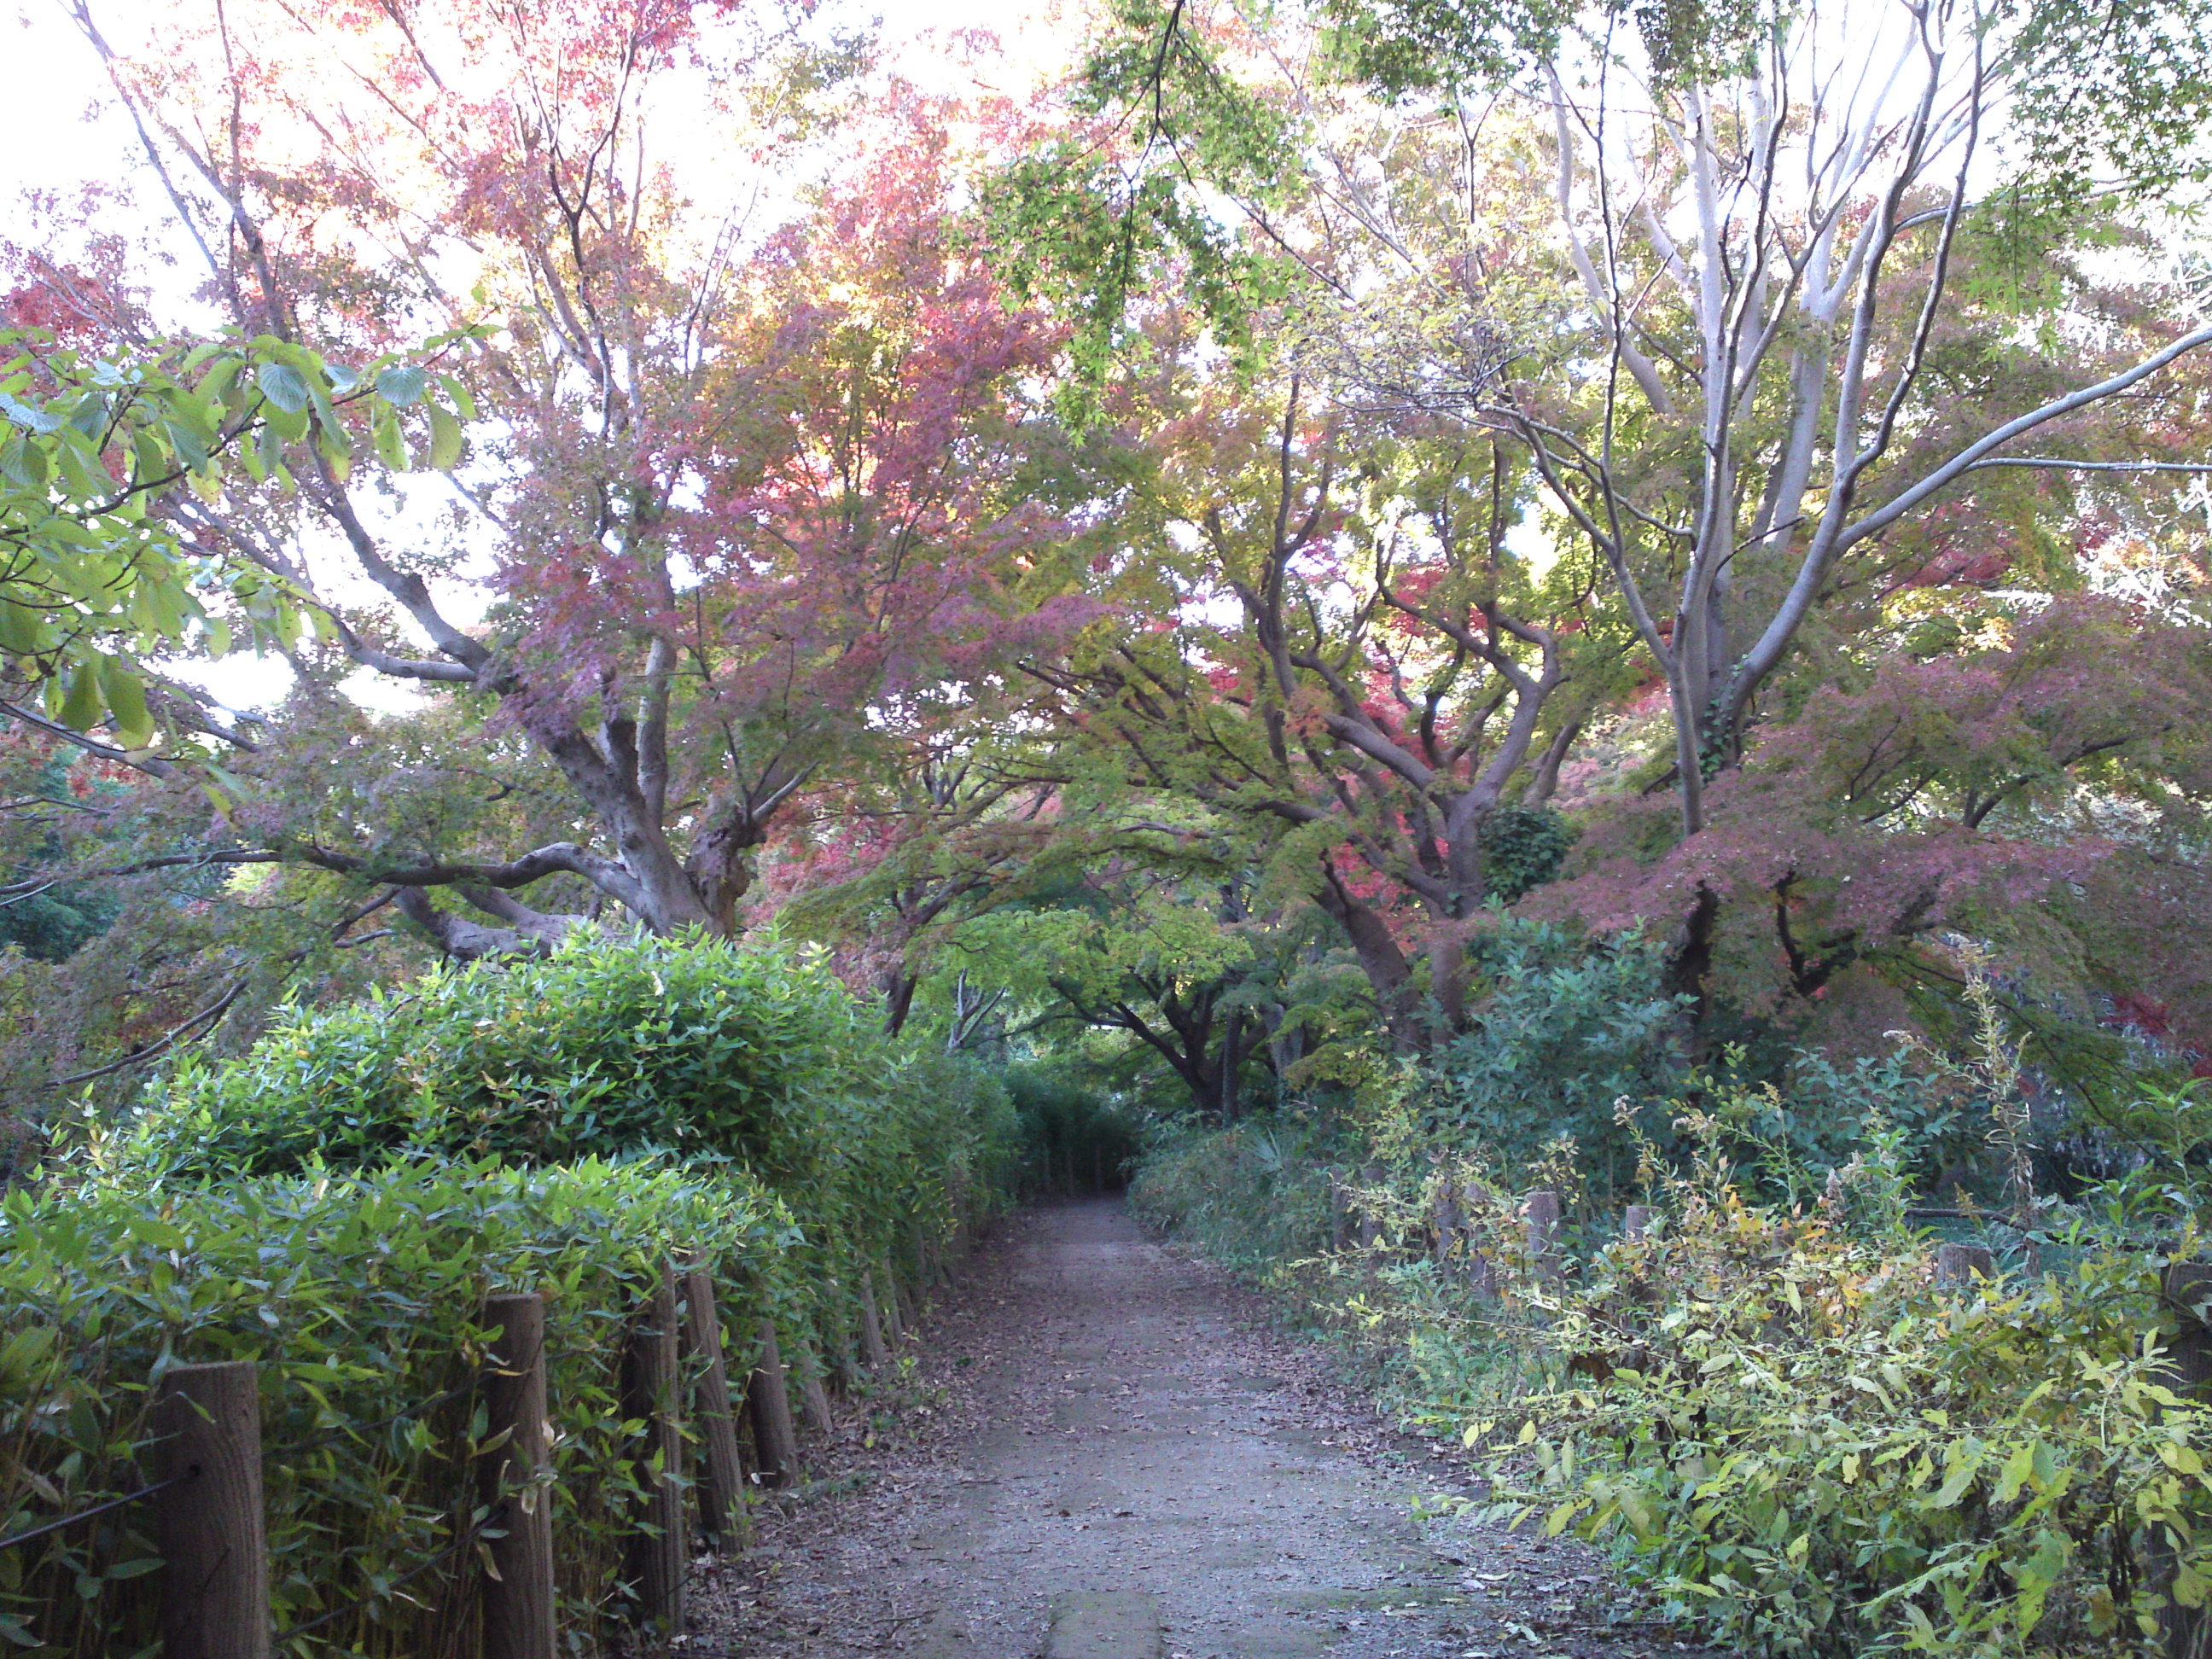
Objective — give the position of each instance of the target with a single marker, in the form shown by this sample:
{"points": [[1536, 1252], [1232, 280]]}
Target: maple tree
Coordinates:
{"points": [[2032, 779], [1356, 689], [1770, 339], [741, 490], [1346, 643]]}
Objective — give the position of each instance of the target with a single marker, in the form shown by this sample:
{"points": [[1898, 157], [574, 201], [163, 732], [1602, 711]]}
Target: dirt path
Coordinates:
{"points": [[1118, 1461]]}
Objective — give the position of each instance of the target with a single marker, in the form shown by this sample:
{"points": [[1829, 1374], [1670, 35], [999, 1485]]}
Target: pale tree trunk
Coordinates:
{"points": [[1796, 204]]}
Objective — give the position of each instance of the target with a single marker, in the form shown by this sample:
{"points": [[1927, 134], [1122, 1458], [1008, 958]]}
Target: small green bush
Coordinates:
{"points": [[1572, 1028], [1568, 1029]]}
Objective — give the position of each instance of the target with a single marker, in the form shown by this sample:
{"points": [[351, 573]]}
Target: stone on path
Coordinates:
{"points": [[1121, 1624]]}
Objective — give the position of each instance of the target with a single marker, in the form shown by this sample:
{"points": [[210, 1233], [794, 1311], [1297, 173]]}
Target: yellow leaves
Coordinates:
{"points": [[2020, 1470], [444, 452], [2182, 1460]]}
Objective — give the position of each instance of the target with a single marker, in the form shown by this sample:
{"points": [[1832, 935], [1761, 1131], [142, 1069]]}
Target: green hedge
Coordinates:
{"points": [[336, 1204], [736, 1054], [606, 1049], [360, 1297]]}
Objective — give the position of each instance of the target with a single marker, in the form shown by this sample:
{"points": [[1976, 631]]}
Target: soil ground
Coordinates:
{"points": [[1105, 1452]]}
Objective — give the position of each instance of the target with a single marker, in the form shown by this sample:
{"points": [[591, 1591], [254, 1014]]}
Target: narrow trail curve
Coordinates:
{"points": [[1131, 1466]]}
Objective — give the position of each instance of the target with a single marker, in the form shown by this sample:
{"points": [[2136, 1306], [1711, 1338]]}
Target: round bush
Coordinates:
{"points": [[605, 1048]]}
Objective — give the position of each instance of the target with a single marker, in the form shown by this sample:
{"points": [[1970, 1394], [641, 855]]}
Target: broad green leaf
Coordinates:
{"points": [[284, 386], [127, 700], [26, 1349], [401, 384], [333, 444], [90, 416], [391, 444], [188, 442], [464, 401], [26, 416], [290, 425], [148, 458], [24, 462], [22, 631], [81, 703]]}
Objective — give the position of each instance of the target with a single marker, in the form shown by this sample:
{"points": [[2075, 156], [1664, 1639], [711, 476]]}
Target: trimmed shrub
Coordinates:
{"points": [[336, 1203], [360, 1297], [607, 1049], [712, 1054]]}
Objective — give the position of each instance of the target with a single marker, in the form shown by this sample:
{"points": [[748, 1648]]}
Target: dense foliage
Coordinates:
{"points": [[336, 1203], [712, 1052], [1810, 1448], [361, 1298], [1768, 1404]]}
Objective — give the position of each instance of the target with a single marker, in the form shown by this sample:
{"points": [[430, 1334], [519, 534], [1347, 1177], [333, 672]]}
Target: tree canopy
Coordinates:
{"points": [[1171, 568]]}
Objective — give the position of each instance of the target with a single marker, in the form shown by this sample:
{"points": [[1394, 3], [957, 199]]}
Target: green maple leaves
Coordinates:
{"points": [[97, 572]]}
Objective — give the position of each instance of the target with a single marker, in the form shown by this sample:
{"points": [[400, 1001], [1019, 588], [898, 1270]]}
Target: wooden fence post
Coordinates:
{"points": [[772, 1439], [1481, 1271], [209, 1523], [722, 1514], [1543, 1212], [517, 1589], [813, 1397], [1636, 1221], [1961, 1264], [1340, 1213], [871, 1325], [656, 1557], [893, 1309]]}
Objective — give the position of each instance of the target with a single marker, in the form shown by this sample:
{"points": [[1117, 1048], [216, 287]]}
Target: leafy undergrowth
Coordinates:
{"points": [[1771, 1411]]}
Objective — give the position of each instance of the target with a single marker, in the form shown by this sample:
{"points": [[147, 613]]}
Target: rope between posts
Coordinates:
{"points": [[408, 1576], [86, 1514]]}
